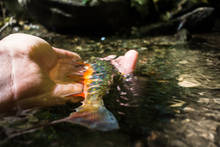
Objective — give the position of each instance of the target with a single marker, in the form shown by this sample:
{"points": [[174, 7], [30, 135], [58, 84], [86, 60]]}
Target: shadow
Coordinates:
{"points": [[142, 106]]}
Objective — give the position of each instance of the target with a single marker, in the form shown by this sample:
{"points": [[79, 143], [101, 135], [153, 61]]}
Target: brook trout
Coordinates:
{"points": [[92, 113]]}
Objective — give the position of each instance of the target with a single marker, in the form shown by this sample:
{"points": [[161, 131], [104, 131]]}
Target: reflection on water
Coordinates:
{"points": [[173, 99]]}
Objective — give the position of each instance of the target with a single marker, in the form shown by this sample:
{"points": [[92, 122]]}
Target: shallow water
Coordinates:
{"points": [[173, 100]]}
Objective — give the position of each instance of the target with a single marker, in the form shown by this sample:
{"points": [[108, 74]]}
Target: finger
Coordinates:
{"points": [[69, 67], [131, 60], [61, 53], [67, 71], [66, 90], [126, 64]]}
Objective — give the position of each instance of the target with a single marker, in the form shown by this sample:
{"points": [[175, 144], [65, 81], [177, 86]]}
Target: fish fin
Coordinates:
{"points": [[79, 95], [94, 118]]}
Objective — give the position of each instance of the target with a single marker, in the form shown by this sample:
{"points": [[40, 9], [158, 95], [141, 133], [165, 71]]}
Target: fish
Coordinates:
{"points": [[92, 114]]}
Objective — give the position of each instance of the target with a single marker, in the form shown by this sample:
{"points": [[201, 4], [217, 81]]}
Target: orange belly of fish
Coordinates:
{"points": [[86, 81]]}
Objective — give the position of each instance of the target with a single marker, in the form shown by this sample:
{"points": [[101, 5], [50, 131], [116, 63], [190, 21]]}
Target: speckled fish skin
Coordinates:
{"points": [[92, 113], [101, 79]]}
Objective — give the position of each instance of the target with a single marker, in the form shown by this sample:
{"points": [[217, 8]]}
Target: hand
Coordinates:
{"points": [[125, 64], [35, 74]]}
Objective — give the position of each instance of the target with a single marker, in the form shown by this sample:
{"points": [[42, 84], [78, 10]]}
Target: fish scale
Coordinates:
{"points": [[92, 113]]}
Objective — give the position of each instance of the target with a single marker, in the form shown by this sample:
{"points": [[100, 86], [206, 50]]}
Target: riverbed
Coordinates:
{"points": [[173, 101]]}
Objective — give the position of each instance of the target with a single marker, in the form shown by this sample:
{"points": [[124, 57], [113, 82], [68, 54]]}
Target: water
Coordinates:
{"points": [[173, 100]]}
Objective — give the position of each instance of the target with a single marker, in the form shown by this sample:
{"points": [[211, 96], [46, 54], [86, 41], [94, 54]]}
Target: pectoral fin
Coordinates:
{"points": [[94, 118]]}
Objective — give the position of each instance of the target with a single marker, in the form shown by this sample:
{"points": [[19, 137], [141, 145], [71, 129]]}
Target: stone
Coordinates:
{"points": [[187, 81], [200, 19], [189, 109], [77, 15]]}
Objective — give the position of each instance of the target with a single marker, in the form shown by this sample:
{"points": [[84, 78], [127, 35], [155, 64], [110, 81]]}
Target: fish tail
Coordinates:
{"points": [[98, 118]]}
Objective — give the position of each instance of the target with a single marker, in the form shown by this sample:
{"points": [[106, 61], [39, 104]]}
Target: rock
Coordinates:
{"points": [[193, 16], [77, 15], [198, 20], [170, 9], [160, 28], [177, 143]]}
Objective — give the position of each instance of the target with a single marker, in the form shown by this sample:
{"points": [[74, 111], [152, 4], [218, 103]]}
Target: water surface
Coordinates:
{"points": [[174, 99]]}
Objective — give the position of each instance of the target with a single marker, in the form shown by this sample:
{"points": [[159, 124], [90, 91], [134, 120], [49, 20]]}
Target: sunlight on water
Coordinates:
{"points": [[173, 98]]}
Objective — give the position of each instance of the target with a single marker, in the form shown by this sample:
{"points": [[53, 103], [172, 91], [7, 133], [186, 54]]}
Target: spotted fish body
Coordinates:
{"points": [[92, 113]]}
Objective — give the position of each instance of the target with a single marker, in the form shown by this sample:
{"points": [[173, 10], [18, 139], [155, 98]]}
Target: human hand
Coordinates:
{"points": [[35, 74], [124, 64]]}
